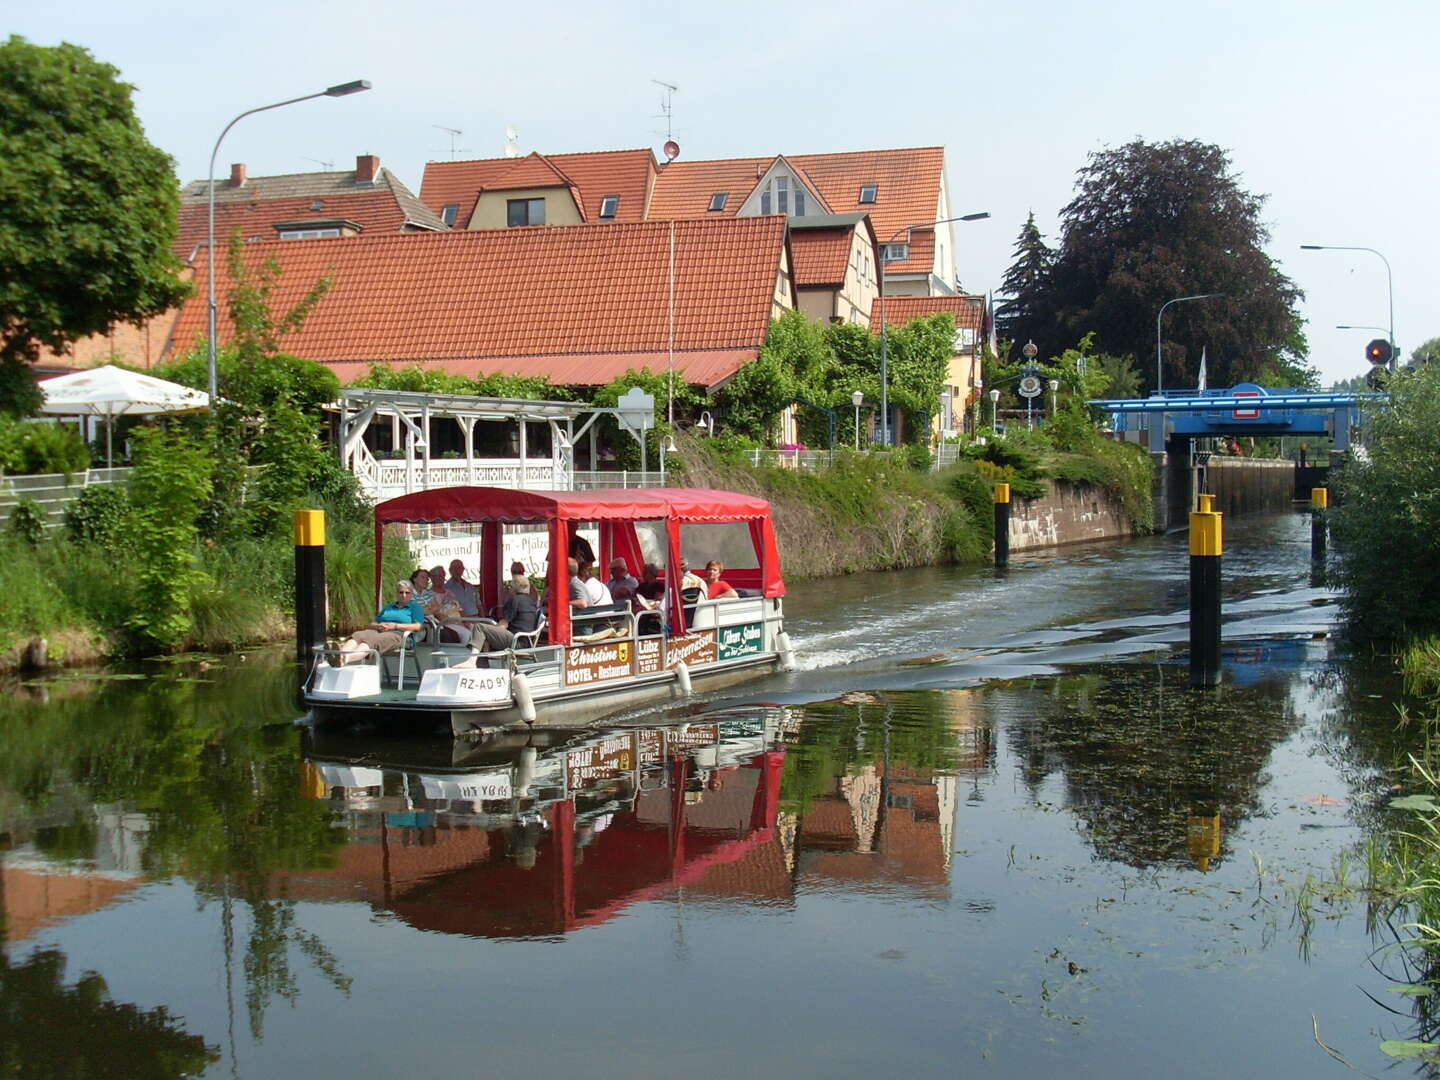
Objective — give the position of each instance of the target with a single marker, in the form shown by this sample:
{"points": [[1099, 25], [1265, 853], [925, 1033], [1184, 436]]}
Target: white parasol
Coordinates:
{"points": [[111, 391]]}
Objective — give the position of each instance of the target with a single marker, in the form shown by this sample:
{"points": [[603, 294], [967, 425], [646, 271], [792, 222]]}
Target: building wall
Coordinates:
{"points": [[785, 294], [491, 213], [860, 287], [818, 303]]}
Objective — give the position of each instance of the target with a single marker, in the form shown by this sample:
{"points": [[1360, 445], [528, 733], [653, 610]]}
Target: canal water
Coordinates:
{"points": [[986, 829]]}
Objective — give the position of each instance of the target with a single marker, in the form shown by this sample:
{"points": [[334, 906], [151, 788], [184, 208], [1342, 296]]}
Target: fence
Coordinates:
{"points": [[53, 492]]}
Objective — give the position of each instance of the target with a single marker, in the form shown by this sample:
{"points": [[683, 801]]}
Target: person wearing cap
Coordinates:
{"points": [[691, 580]]}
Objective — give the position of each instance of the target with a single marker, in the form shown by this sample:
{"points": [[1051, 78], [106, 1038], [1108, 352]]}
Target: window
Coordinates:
{"points": [[717, 200], [448, 212], [307, 234], [609, 206], [782, 194], [894, 252], [799, 201], [524, 212], [868, 192]]}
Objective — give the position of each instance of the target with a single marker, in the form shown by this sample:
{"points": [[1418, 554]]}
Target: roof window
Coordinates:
{"points": [[868, 192], [448, 212], [717, 200], [609, 207]]}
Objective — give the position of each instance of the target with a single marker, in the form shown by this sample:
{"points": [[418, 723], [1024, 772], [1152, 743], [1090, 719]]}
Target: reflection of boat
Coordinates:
{"points": [[542, 839], [594, 661]]}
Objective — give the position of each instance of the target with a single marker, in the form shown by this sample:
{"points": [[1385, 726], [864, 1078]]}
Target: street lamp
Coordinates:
{"points": [[667, 446], [1054, 389], [884, 354], [1159, 376], [339, 90], [995, 411], [1389, 283], [856, 399]]}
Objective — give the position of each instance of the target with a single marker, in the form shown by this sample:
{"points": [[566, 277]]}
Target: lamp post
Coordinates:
{"points": [[995, 411], [339, 90], [884, 353], [1054, 393], [1159, 375], [856, 399], [1389, 283], [667, 446]]}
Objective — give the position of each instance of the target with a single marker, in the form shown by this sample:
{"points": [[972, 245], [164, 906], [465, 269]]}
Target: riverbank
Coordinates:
{"points": [[75, 603]]}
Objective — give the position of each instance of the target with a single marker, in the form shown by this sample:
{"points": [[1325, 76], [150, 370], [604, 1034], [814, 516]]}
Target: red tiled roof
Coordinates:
{"points": [[899, 310], [387, 206], [531, 171], [821, 255], [577, 303], [907, 190], [626, 173]]}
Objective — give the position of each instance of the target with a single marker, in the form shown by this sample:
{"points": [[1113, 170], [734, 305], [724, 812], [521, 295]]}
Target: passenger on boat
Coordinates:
{"points": [[509, 585], [445, 609], [465, 593], [719, 588], [424, 594], [578, 599], [689, 579], [520, 613], [622, 583], [392, 625], [648, 598], [596, 593]]}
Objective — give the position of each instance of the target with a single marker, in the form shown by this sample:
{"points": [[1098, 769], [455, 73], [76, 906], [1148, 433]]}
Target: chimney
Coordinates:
{"points": [[367, 167], [237, 175]]}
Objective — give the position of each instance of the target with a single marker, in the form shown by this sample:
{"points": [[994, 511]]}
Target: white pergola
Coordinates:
{"points": [[410, 414]]}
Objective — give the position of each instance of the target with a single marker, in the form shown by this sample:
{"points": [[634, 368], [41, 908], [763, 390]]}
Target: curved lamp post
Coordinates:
{"points": [[1159, 375], [1389, 284], [339, 90], [884, 354]]}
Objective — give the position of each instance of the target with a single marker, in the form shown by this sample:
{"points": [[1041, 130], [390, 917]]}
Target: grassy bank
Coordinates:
{"points": [[91, 593]]}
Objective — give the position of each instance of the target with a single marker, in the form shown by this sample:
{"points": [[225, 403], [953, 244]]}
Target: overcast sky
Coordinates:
{"points": [[1328, 108]]}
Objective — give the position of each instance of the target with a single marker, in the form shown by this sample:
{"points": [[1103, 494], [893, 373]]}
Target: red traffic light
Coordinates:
{"points": [[1379, 351]]}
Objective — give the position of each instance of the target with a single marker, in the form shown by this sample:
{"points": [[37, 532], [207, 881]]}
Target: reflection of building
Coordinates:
{"points": [[37, 890], [877, 827]]}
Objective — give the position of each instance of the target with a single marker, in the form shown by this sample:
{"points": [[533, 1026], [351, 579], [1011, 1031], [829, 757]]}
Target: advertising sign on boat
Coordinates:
{"points": [[587, 664], [745, 639], [696, 648]]}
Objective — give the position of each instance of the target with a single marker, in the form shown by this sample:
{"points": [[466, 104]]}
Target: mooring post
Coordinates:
{"points": [[1319, 501], [1206, 547], [1002, 524], [310, 612]]}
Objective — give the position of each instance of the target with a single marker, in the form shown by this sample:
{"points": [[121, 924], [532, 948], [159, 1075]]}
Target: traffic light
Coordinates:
{"points": [[1379, 351]]}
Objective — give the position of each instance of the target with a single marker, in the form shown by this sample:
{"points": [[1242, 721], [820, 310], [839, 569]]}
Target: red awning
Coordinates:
{"points": [[606, 504]]}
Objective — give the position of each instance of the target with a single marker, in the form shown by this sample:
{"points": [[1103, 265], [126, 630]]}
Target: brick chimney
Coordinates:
{"points": [[237, 175], [367, 167]]}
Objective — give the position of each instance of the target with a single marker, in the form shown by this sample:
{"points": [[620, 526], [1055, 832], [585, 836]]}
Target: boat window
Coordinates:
{"points": [[651, 536], [727, 541]]}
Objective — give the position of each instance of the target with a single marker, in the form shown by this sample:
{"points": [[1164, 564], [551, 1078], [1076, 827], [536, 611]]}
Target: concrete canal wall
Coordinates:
{"points": [[1069, 514], [1249, 485]]}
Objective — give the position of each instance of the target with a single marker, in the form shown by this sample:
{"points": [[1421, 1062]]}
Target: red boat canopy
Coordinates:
{"points": [[559, 509]]}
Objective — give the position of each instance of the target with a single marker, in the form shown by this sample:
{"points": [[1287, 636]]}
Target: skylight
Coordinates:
{"points": [[868, 192], [717, 200], [609, 206]]}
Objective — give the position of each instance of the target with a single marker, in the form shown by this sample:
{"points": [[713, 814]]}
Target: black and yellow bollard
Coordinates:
{"points": [[1206, 547], [310, 613], [1319, 502], [1002, 524]]}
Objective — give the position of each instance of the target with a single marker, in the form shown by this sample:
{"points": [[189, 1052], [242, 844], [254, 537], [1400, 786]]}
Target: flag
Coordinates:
{"points": [[1201, 385]]}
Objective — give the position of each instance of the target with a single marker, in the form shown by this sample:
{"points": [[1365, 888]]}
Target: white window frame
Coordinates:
{"points": [[309, 234], [894, 253], [874, 190], [609, 207], [718, 199], [449, 212]]}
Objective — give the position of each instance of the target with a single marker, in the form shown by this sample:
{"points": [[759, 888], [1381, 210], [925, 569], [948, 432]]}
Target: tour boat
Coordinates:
{"points": [[586, 662]]}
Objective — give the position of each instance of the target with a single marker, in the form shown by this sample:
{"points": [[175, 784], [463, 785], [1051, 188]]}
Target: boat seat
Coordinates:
{"points": [[531, 638]]}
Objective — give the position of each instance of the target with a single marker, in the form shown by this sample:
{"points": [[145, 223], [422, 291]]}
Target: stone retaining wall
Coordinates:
{"points": [[1069, 514]]}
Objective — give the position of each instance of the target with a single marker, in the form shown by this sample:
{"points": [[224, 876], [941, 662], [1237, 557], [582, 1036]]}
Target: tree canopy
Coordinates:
{"points": [[88, 209], [1024, 283], [1149, 223]]}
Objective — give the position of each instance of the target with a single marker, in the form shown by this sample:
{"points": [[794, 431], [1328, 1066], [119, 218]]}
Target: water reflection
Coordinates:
{"points": [[526, 836]]}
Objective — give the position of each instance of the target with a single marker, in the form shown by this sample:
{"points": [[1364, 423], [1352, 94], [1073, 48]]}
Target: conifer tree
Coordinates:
{"points": [[1023, 285]]}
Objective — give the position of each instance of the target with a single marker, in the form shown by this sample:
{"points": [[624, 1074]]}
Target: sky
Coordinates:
{"points": [[1326, 108]]}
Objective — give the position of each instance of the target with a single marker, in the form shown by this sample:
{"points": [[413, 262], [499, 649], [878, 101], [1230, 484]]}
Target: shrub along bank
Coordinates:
{"points": [[154, 569]]}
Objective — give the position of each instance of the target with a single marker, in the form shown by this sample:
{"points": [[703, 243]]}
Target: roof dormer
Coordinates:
{"points": [[781, 189]]}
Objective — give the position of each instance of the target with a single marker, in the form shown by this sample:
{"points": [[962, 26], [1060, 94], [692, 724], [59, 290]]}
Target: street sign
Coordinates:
{"points": [[1029, 387], [636, 411]]}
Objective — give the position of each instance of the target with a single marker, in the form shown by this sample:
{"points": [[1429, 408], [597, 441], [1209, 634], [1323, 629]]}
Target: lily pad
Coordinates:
{"points": [[1407, 1048]]}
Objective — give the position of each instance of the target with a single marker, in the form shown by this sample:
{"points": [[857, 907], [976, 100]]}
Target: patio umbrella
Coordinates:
{"points": [[110, 391]]}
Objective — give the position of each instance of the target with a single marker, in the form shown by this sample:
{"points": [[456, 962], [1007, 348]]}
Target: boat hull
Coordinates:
{"points": [[559, 711]]}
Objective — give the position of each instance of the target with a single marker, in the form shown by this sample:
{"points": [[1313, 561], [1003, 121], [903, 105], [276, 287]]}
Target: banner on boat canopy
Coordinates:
{"points": [[526, 544]]}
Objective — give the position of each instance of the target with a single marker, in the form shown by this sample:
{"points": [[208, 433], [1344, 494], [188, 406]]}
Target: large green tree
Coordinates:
{"points": [[1151, 222], [88, 209], [1024, 284]]}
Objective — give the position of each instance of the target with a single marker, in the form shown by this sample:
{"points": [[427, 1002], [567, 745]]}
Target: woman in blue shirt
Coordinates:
{"points": [[392, 626]]}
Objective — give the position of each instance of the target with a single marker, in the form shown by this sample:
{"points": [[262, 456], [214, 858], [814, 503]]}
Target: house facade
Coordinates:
{"points": [[836, 266], [963, 384]]}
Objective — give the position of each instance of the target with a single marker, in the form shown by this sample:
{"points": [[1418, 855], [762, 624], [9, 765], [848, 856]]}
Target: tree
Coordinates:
{"points": [[1151, 222], [1427, 352], [1386, 519], [88, 210], [1024, 283]]}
